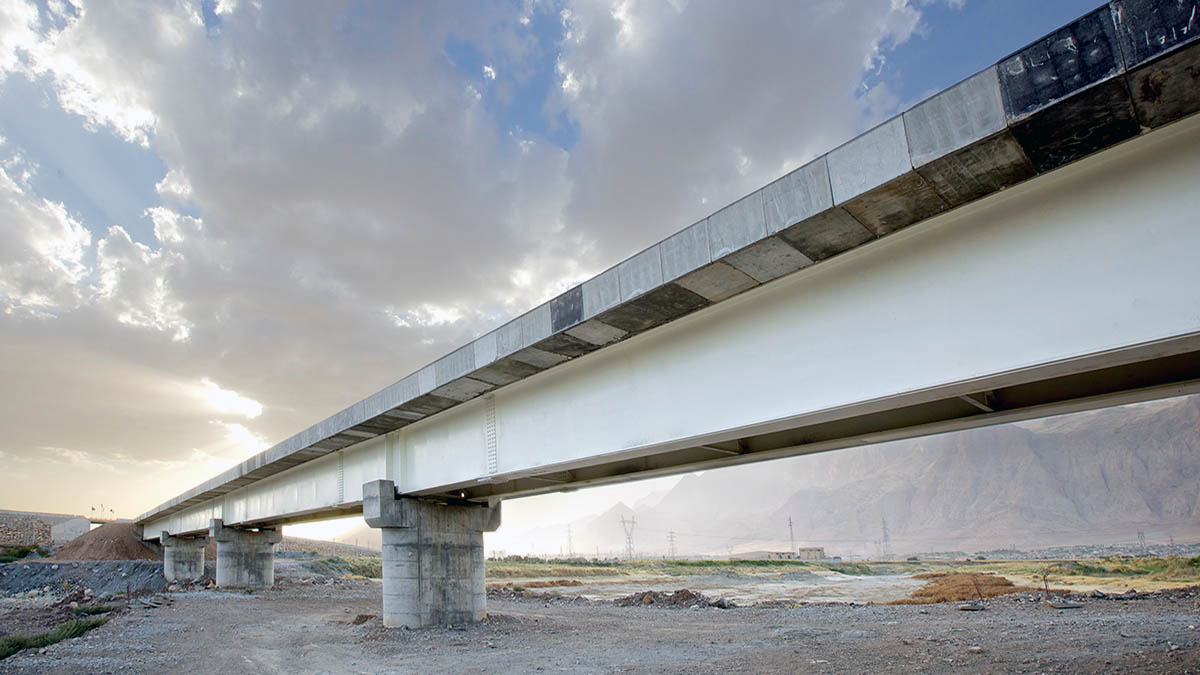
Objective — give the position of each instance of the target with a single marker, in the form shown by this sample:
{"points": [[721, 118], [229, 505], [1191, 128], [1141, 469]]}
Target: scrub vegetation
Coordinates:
{"points": [[74, 628]]}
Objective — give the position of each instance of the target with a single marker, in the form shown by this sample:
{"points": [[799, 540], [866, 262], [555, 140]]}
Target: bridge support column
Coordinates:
{"points": [[245, 558], [432, 557], [183, 557]]}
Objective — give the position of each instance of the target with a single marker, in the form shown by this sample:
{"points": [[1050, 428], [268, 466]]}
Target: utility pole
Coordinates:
{"points": [[570, 547], [671, 544], [791, 535], [627, 525]]}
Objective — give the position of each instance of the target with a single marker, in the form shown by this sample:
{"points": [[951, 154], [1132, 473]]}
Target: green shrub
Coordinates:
{"points": [[71, 629]]}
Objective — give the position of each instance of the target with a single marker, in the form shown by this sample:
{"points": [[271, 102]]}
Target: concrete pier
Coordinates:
{"points": [[245, 558], [183, 557], [433, 563]]}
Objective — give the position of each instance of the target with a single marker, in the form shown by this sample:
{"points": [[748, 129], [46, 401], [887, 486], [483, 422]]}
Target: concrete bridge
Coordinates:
{"points": [[1024, 243]]}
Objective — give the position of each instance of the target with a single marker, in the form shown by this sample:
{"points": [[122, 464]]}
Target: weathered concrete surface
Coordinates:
{"points": [[183, 557], [245, 558], [433, 560], [1065, 95], [873, 180], [1164, 78], [959, 141]]}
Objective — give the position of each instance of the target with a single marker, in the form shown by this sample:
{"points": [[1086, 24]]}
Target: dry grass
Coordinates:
{"points": [[959, 587]]}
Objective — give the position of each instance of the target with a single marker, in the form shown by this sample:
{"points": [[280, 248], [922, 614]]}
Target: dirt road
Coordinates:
{"points": [[304, 628]]}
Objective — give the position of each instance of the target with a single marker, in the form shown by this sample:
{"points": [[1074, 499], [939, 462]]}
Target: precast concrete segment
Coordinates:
{"points": [[183, 557], [1163, 76], [1123, 70], [245, 558], [433, 560]]}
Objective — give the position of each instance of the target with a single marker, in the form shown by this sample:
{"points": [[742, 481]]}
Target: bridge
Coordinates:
{"points": [[1025, 243]]}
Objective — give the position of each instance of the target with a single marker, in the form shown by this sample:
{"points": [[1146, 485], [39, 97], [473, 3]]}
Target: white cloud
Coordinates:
{"points": [[228, 401], [42, 248], [335, 217]]}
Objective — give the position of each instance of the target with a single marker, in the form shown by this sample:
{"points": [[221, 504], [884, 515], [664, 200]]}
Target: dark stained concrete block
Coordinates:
{"points": [[1064, 95], [429, 404], [1167, 89], [1161, 43], [463, 389], [505, 371], [896, 204], [717, 281], [596, 332], [1147, 29], [826, 234], [566, 345], [1090, 121], [1060, 64], [665, 303], [768, 259], [978, 170], [566, 310]]}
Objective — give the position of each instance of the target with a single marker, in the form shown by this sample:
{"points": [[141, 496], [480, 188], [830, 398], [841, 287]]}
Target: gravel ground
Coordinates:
{"points": [[107, 577], [332, 627]]}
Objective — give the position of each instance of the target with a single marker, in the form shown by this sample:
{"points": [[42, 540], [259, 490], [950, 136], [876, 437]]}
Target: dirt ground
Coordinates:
{"points": [[302, 628]]}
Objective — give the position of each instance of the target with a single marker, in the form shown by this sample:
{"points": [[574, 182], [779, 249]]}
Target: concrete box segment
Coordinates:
{"points": [[1066, 96], [433, 562], [872, 178], [1163, 76], [1081, 89]]}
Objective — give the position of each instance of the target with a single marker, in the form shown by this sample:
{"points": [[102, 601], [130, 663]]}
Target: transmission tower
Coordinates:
{"points": [[885, 546], [627, 525], [1141, 539], [671, 544], [570, 548], [791, 535]]}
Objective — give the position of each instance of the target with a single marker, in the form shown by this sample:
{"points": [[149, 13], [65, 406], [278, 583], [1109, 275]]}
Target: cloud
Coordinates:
{"points": [[341, 205]]}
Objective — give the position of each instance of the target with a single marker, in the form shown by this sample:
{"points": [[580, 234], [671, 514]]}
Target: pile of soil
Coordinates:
{"points": [[960, 588], [111, 541], [680, 599]]}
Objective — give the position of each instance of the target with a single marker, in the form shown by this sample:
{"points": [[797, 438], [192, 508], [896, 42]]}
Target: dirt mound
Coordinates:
{"points": [[680, 599], [960, 587], [111, 541]]}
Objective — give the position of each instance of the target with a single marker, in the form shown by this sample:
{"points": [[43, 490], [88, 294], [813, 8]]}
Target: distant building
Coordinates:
{"points": [[811, 553]]}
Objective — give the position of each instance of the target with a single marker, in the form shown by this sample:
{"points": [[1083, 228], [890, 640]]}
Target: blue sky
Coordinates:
{"points": [[207, 207]]}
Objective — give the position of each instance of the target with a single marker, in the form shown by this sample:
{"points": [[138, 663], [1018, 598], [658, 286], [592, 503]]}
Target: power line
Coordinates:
{"points": [[671, 544]]}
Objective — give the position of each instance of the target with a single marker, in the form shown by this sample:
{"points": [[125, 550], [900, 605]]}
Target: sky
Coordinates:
{"points": [[223, 220]]}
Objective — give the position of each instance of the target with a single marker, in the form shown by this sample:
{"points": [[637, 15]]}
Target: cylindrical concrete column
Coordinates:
{"points": [[183, 557], [433, 559], [245, 558]]}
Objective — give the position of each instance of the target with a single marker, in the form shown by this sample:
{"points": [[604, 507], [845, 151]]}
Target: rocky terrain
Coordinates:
{"points": [[336, 629]]}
